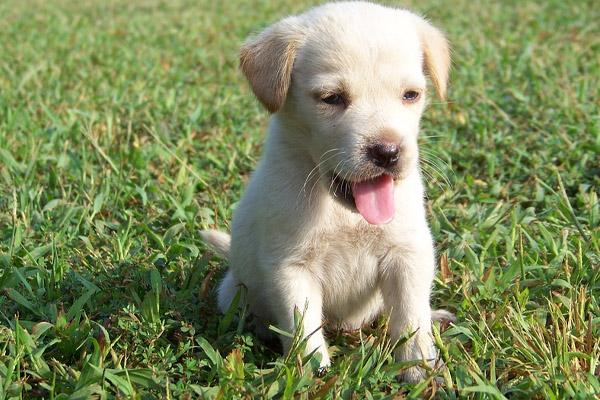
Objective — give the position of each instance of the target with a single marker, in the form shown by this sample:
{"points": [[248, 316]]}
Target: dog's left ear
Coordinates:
{"points": [[436, 55]]}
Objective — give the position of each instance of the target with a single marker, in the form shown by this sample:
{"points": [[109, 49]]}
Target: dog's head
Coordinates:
{"points": [[350, 79]]}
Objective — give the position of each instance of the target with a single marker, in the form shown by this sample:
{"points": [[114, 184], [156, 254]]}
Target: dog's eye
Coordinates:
{"points": [[411, 95], [334, 99]]}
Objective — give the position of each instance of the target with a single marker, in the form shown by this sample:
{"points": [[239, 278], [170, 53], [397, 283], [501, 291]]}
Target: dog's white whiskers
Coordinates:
{"points": [[333, 180], [344, 177], [321, 174], [432, 171], [431, 153], [316, 168], [428, 175], [433, 161]]}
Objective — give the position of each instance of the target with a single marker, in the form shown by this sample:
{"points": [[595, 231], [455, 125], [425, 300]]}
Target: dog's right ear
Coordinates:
{"points": [[267, 60]]}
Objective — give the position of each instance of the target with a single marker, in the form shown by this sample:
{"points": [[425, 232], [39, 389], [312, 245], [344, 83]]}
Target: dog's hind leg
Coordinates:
{"points": [[443, 316], [227, 291]]}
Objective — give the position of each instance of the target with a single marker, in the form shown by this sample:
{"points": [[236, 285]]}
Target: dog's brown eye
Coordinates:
{"points": [[334, 99], [411, 95]]}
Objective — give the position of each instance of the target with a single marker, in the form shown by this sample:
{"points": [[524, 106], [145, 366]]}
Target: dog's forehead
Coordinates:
{"points": [[359, 35]]}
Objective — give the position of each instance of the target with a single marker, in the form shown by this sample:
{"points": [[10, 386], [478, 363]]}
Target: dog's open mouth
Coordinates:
{"points": [[373, 198]]}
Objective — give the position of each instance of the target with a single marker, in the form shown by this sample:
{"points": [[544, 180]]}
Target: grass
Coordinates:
{"points": [[126, 128]]}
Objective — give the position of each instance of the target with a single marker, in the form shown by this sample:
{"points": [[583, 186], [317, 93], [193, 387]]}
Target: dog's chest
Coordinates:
{"points": [[347, 265], [348, 260]]}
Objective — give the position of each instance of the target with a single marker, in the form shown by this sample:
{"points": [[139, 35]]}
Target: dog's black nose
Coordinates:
{"points": [[384, 155]]}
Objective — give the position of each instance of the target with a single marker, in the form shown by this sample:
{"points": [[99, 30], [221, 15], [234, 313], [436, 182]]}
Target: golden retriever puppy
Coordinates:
{"points": [[333, 219]]}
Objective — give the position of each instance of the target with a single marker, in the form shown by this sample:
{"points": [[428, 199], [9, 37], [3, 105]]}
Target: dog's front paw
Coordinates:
{"points": [[325, 359], [320, 363], [413, 351]]}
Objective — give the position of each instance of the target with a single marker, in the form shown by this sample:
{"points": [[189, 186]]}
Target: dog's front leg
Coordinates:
{"points": [[406, 285], [297, 290]]}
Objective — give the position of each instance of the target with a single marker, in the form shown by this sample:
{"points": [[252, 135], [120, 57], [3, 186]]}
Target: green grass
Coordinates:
{"points": [[126, 128]]}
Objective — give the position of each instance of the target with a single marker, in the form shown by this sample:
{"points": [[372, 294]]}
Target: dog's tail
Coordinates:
{"points": [[219, 241]]}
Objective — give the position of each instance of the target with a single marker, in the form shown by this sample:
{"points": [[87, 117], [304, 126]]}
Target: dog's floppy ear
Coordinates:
{"points": [[436, 55], [267, 61]]}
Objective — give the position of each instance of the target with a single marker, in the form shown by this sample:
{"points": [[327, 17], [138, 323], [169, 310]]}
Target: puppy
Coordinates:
{"points": [[333, 221]]}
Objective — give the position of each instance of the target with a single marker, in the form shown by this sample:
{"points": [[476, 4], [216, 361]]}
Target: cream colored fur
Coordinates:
{"points": [[293, 243]]}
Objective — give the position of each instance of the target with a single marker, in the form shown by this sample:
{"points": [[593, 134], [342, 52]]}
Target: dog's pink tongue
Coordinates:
{"points": [[375, 199]]}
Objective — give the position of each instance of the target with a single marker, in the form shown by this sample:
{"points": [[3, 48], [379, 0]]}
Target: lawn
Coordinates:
{"points": [[126, 128]]}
